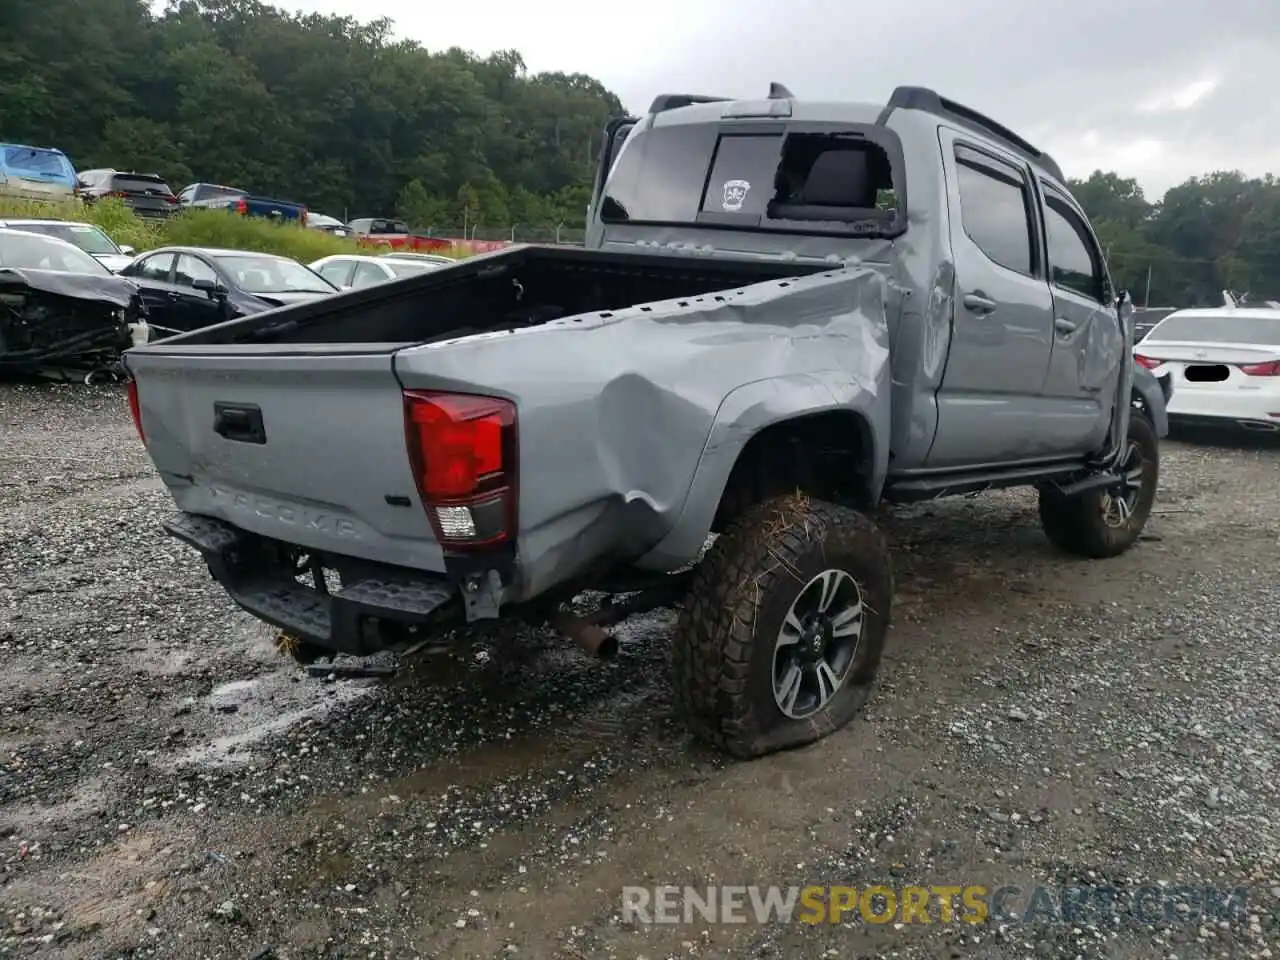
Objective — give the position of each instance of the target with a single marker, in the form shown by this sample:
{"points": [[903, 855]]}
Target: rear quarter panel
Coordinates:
{"points": [[630, 420]]}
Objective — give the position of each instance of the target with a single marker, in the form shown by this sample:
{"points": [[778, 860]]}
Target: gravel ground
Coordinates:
{"points": [[171, 787]]}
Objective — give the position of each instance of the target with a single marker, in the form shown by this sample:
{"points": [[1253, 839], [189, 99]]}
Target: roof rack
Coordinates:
{"points": [[672, 101], [922, 98]]}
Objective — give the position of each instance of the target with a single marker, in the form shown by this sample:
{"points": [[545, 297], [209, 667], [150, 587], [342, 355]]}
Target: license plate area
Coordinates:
{"points": [[1206, 373]]}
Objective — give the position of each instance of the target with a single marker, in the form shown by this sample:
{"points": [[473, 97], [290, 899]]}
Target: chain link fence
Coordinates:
{"points": [[574, 234]]}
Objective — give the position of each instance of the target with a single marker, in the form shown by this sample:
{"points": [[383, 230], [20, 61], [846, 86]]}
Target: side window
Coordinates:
{"points": [[190, 269], [154, 268], [367, 274], [336, 272], [995, 211], [1074, 260]]}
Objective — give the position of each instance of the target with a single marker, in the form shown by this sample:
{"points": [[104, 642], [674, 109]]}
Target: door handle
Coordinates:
{"points": [[1065, 326], [979, 302]]}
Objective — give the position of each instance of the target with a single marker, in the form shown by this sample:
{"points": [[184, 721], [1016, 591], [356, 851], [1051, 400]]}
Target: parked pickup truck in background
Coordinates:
{"points": [[213, 196], [385, 234], [786, 313]]}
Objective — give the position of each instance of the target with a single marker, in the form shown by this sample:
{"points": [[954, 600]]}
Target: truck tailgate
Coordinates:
{"points": [[307, 447]]}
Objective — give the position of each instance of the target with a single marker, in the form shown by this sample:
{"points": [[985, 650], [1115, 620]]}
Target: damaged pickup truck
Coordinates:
{"points": [[787, 313], [61, 310]]}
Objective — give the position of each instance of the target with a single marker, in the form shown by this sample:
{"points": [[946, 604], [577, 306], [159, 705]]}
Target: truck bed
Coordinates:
{"points": [[508, 290], [296, 427]]}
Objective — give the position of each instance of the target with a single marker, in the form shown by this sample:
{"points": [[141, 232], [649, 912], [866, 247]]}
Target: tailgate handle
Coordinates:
{"points": [[241, 422]]}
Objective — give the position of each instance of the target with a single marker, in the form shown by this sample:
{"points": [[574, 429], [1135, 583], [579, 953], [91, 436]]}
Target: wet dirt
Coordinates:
{"points": [[170, 786]]}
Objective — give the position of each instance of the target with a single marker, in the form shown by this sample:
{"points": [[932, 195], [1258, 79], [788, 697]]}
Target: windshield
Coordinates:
{"points": [[841, 181], [1217, 329], [30, 251], [38, 163], [261, 274], [88, 238], [405, 269]]}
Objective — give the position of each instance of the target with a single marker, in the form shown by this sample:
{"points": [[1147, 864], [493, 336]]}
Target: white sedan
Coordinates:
{"points": [[352, 272], [1225, 365]]}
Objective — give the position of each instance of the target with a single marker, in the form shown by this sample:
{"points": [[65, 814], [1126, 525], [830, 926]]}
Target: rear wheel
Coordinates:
{"points": [[1106, 523], [779, 640]]}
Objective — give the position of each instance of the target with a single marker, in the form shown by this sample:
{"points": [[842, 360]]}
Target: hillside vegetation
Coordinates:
{"points": [[344, 117], [323, 110]]}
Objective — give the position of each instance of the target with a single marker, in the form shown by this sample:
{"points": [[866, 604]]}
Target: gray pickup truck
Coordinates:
{"points": [[786, 313]]}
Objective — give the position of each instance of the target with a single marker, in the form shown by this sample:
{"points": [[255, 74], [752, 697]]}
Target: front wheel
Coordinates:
{"points": [[779, 640], [1107, 522]]}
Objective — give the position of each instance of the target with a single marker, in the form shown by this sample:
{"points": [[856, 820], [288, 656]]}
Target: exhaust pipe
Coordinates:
{"points": [[591, 637], [1261, 426]]}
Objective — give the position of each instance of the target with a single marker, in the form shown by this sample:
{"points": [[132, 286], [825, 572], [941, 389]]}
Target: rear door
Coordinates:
{"points": [[989, 405], [1088, 344], [368, 275], [338, 272], [162, 297]]}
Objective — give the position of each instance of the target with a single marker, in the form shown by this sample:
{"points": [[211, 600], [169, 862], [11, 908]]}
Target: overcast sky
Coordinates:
{"points": [[1159, 90]]}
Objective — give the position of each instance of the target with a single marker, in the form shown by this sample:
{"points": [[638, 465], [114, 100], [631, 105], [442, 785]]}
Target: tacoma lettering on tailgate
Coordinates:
{"points": [[270, 509]]}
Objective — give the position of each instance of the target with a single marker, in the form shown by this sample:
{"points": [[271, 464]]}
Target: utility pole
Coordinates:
{"points": [[1147, 301]]}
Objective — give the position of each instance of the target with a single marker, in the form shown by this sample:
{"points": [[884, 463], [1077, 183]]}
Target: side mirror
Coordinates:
{"points": [[127, 250], [212, 287]]}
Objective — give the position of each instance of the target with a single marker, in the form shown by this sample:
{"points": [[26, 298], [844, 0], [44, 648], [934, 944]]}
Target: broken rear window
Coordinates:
{"points": [[835, 181]]}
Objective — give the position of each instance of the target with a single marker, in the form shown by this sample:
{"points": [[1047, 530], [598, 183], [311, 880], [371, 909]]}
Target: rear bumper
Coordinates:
{"points": [[1216, 422], [374, 605], [1255, 410]]}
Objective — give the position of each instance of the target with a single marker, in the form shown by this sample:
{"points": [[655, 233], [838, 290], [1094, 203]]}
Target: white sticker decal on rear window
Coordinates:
{"points": [[735, 194]]}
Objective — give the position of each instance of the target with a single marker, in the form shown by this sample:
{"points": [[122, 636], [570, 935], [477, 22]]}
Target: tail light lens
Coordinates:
{"points": [[463, 452], [1149, 362], [1269, 369], [136, 410]]}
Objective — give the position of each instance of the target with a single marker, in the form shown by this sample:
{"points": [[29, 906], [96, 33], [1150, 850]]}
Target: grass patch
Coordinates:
{"points": [[191, 228]]}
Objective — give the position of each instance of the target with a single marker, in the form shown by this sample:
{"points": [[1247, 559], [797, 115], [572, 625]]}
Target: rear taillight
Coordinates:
{"points": [[136, 410], [1149, 362], [242, 207], [462, 449], [1269, 369]]}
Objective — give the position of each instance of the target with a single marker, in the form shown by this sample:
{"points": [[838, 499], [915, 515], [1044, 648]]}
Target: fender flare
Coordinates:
{"points": [[1154, 396], [749, 409]]}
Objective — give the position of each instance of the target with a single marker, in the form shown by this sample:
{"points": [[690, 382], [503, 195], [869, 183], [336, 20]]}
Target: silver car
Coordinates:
{"points": [[352, 271], [91, 239]]}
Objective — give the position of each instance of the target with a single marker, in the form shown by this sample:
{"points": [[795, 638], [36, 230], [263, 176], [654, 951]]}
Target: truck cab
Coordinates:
{"points": [[1007, 341]]}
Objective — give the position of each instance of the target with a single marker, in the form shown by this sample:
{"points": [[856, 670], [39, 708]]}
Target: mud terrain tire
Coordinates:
{"points": [[1091, 525], [730, 665]]}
